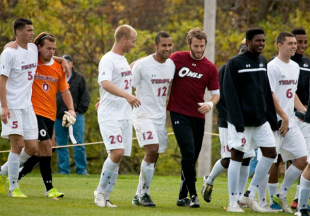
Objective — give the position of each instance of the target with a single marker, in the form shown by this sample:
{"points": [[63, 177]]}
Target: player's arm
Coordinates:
{"points": [[207, 106], [63, 62], [113, 89], [5, 113], [298, 105], [285, 121], [67, 98]]}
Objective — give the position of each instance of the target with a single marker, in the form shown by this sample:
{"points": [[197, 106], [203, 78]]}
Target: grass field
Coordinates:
{"points": [[79, 198]]}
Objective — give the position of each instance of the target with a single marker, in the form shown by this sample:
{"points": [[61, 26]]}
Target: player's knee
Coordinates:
{"points": [[225, 162], [116, 155]]}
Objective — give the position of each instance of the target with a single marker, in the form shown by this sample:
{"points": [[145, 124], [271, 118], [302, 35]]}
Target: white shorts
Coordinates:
{"points": [[225, 151], [117, 134], [148, 132], [253, 137], [22, 122], [305, 130], [292, 146]]}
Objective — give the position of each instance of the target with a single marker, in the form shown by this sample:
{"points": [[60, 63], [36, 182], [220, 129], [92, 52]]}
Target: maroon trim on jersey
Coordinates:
{"points": [[190, 81]]}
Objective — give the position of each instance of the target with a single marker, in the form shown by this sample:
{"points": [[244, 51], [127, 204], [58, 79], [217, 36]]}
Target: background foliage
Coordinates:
{"points": [[84, 29]]}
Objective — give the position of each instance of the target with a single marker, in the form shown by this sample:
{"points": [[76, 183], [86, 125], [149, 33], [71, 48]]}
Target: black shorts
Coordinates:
{"points": [[46, 127]]}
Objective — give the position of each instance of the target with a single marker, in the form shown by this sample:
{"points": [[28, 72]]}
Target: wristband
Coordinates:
{"points": [[210, 103]]}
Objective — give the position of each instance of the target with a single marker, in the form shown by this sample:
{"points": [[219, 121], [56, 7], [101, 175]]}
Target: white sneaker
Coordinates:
{"points": [[267, 208], [99, 199], [234, 207], [251, 203], [109, 204], [282, 201]]}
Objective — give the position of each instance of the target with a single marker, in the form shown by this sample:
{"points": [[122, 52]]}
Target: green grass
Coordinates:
{"points": [[79, 198]]}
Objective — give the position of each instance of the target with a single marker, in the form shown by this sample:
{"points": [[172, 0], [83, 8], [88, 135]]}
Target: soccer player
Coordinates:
{"points": [[302, 86], [19, 122], [194, 73], [251, 117], [114, 111], [222, 164], [283, 76], [151, 77]]}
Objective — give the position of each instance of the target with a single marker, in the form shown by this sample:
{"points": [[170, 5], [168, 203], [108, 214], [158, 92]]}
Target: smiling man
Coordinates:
{"points": [[194, 73], [251, 116], [152, 77]]}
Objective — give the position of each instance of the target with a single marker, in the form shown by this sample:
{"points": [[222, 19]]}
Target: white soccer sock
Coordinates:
{"points": [[13, 165], [111, 184], [23, 157], [262, 168], [272, 190], [138, 192], [291, 174], [233, 179], [108, 169], [262, 189], [244, 175], [297, 192], [147, 170], [215, 172], [304, 193]]}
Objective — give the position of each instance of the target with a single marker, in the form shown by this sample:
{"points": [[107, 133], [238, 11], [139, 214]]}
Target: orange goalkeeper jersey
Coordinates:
{"points": [[47, 81]]}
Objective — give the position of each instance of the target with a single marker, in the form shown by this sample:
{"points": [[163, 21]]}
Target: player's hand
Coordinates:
{"points": [[284, 126], [5, 114], [97, 104], [65, 66], [72, 113], [204, 108], [11, 44], [133, 101], [68, 119]]}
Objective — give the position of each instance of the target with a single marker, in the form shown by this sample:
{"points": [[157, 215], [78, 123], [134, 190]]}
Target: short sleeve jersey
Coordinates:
{"points": [[151, 80], [114, 68], [49, 78], [19, 65], [283, 79], [190, 81]]}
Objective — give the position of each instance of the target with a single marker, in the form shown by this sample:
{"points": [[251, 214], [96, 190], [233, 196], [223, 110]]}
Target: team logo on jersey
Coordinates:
{"points": [[160, 81], [184, 71], [103, 73], [153, 75], [194, 65], [29, 66], [45, 78], [45, 87], [261, 65], [305, 65], [287, 82], [248, 65], [126, 73]]}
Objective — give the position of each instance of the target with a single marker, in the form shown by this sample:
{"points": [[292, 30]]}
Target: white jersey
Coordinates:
{"points": [[114, 68], [19, 65], [283, 78], [152, 80]]}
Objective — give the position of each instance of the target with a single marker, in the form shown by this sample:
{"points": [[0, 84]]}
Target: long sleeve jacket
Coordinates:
{"points": [[247, 92]]}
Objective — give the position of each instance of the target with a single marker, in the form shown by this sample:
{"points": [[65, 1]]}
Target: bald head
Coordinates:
{"points": [[124, 30]]}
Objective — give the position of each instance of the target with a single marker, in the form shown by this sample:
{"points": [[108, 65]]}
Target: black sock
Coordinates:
{"points": [[46, 171], [29, 165]]}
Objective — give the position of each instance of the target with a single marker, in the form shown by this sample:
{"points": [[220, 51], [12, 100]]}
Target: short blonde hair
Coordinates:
{"points": [[123, 30]]}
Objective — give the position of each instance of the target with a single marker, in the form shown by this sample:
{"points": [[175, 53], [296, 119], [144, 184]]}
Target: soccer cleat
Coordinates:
{"points": [[108, 203], [267, 208], [99, 199], [282, 201], [194, 202], [146, 201], [52, 193], [276, 207], [251, 203], [234, 207], [17, 193], [241, 205], [2, 182], [302, 212], [206, 190], [135, 200], [294, 204], [183, 202]]}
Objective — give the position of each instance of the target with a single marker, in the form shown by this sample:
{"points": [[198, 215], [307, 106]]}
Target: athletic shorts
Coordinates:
{"points": [[225, 151], [46, 128], [117, 134], [22, 122], [292, 146], [148, 132], [305, 130], [253, 137]]}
